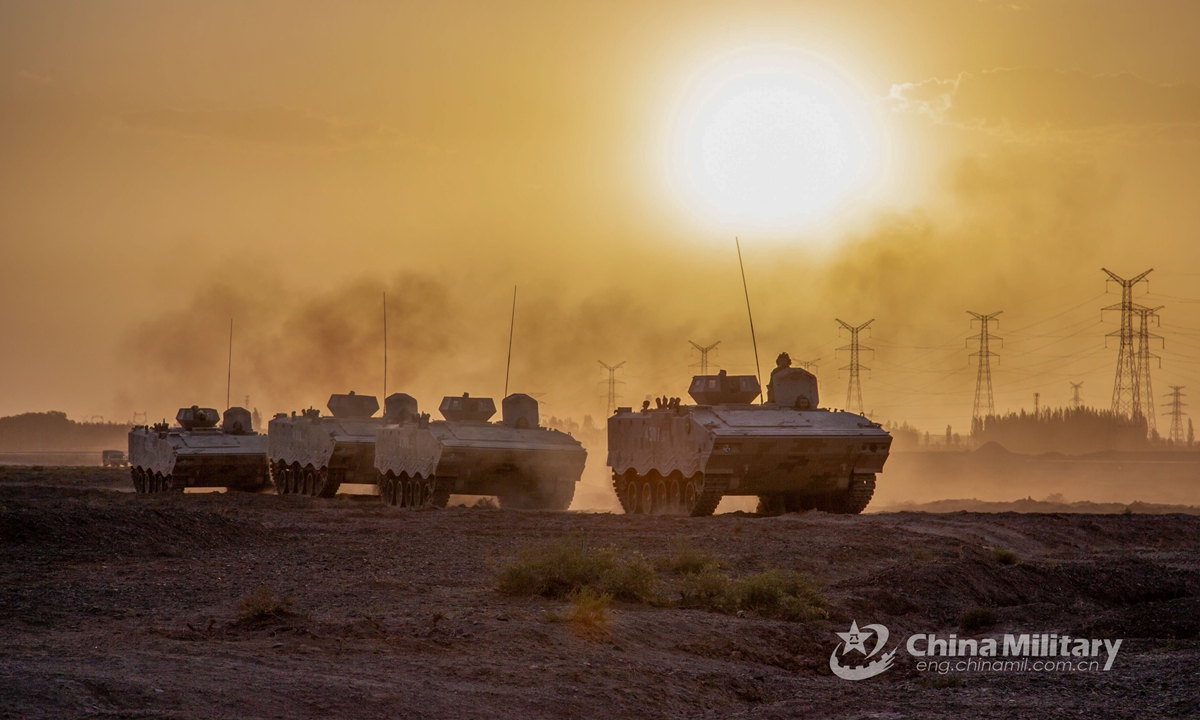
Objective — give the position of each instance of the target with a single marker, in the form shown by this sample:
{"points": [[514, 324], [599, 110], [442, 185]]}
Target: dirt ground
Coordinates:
{"points": [[118, 605]]}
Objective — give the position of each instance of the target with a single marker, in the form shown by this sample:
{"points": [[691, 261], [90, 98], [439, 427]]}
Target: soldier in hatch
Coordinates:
{"points": [[783, 362]]}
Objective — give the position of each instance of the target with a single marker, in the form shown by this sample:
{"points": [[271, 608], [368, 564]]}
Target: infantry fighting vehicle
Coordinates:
{"points": [[198, 453], [421, 462], [313, 454], [682, 459]]}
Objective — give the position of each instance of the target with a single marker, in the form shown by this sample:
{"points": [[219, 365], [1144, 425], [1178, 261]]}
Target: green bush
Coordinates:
{"points": [[705, 589], [568, 566], [573, 570], [632, 580], [777, 594], [684, 559]]}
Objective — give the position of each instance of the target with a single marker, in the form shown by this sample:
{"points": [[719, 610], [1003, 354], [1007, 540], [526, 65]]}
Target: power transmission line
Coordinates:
{"points": [[704, 354], [1177, 405], [1144, 356], [854, 399], [984, 404], [612, 384], [1126, 399]]}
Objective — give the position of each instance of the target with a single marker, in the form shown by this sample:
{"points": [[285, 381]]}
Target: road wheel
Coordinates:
{"points": [[701, 495], [625, 486], [327, 487], [646, 501]]}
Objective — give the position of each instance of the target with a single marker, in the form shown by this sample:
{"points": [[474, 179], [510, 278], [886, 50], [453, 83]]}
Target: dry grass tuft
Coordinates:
{"points": [[262, 605], [589, 614]]}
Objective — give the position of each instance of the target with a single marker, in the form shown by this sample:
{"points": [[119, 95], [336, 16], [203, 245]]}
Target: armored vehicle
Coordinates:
{"points": [[113, 459], [313, 454], [421, 462], [198, 453], [681, 459]]}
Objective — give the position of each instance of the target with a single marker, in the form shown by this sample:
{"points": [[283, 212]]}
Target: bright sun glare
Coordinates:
{"points": [[771, 143]]}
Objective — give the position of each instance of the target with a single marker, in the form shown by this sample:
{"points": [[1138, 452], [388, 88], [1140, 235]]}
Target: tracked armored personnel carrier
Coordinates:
{"points": [[313, 454], [681, 459], [198, 453], [421, 462]]}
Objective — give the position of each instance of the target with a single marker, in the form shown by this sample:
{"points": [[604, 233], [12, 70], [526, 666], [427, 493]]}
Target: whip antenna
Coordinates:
{"points": [[753, 340], [511, 324], [385, 346], [229, 371]]}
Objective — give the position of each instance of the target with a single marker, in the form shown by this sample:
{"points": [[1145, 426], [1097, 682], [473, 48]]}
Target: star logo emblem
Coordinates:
{"points": [[854, 640]]}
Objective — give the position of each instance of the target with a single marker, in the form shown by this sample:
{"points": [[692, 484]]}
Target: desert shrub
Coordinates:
{"points": [[561, 569], [775, 593], [572, 570], [632, 580], [978, 618], [705, 589], [684, 559], [262, 604], [1005, 557]]}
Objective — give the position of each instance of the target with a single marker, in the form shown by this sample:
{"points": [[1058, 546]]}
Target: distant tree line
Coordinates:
{"points": [[54, 432], [1072, 431]]}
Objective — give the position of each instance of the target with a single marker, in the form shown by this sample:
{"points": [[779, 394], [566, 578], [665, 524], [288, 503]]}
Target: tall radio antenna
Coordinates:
{"points": [[229, 370], [753, 340], [512, 323], [385, 345]]}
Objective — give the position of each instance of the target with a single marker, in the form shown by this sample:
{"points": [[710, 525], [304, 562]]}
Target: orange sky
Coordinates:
{"points": [[167, 166]]}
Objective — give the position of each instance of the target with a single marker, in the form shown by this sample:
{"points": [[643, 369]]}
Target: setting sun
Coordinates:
{"points": [[771, 143]]}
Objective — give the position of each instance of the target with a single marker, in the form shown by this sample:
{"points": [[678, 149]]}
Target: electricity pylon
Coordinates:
{"points": [[1076, 395], [704, 354], [1145, 390], [809, 365], [854, 399], [612, 384], [1126, 399], [984, 405], [1177, 405]]}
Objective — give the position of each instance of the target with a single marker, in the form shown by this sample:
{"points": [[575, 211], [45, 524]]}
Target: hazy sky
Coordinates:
{"points": [[167, 166]]}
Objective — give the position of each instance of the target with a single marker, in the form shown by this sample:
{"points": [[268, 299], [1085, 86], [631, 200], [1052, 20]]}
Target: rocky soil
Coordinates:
{"points": [[117, 605]]}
